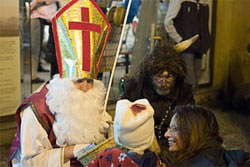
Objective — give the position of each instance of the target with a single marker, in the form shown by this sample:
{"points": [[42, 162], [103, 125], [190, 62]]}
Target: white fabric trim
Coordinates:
{"points": [[36, 149]]}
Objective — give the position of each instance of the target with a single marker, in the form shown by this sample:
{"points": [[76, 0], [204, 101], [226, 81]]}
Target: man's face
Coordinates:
{"points": [[84, 84], [173, 135], [163, 82]]}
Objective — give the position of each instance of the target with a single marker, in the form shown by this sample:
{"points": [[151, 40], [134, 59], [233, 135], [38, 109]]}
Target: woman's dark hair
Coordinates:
{"points": [[197, 126]]}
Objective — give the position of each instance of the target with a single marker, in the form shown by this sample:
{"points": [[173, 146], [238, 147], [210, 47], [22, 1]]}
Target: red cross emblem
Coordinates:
{"points": [[91, 21], [85, 26]]}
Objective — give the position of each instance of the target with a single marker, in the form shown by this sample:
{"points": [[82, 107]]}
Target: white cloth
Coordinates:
{"points": [[79, 116], [36, 149], [134, 130]]}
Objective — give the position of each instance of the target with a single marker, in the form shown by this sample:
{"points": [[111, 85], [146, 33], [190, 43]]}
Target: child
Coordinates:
{"points": [[134, 134]]}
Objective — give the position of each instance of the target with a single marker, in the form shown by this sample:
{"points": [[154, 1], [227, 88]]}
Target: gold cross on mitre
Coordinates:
{"points": [[81, 32]]}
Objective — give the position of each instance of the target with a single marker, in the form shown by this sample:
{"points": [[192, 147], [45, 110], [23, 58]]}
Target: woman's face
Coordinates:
{"points": [[174, 137]]}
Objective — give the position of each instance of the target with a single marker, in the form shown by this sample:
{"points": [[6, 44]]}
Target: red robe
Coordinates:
{"points": [[38, 103]]}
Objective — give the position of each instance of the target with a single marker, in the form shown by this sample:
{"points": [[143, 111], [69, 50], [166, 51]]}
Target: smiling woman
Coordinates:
{"points": [[175, 140], [194, 138]]}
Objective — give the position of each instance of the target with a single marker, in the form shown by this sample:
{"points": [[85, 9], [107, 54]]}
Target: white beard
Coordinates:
{"points": [[79, 116]]}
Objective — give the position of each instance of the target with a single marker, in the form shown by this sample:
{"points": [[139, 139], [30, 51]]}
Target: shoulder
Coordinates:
{"points": [[220, 157], [204, 2], [153, 157], [131, 89], [239, 157], [198, 160], [185, 94], [38, 93], [130, 82]]}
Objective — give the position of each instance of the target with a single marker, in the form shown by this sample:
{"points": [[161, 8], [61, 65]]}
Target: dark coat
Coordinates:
{"points": [[181, 94], [214, 155], [232, 158]]}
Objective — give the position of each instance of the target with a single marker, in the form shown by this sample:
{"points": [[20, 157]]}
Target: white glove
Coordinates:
{"points": [[107, 129], [78, 148], [105, 126]]}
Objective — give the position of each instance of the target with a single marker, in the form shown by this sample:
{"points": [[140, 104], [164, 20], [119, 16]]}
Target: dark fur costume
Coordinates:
{"points": [[140, 86]]}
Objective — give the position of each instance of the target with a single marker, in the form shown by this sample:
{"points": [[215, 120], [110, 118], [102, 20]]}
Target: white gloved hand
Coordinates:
{"points": [[77, 148], [107, 129], [105, 126]]}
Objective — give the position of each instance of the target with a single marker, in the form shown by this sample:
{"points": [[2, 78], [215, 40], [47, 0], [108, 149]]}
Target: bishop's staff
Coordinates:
{"points": [[117, 54]]}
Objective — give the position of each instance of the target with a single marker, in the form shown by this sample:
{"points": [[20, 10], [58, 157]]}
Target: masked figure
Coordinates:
{"points": [[160, 79], [134, 135]]}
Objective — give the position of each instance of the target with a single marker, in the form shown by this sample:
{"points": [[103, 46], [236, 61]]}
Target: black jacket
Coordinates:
{"points": [[213, 155], [189, 18]]}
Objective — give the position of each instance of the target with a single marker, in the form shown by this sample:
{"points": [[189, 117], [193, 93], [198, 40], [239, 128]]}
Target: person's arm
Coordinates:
{"points": [[43, 2], [186, 95], [68, 153], [36, 149], [131, 91], [51, 1], [173, 10]]}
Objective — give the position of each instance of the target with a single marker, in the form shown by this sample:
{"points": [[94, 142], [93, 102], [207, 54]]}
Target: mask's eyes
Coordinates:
{"points": [[165, 77]]}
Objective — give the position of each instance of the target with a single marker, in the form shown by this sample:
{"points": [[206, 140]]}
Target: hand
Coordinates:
{"points": [[78, 148], [68, 153], [107, 129]]}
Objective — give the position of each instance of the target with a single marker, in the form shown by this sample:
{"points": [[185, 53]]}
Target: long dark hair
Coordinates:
{"points": [[198, 126]]}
